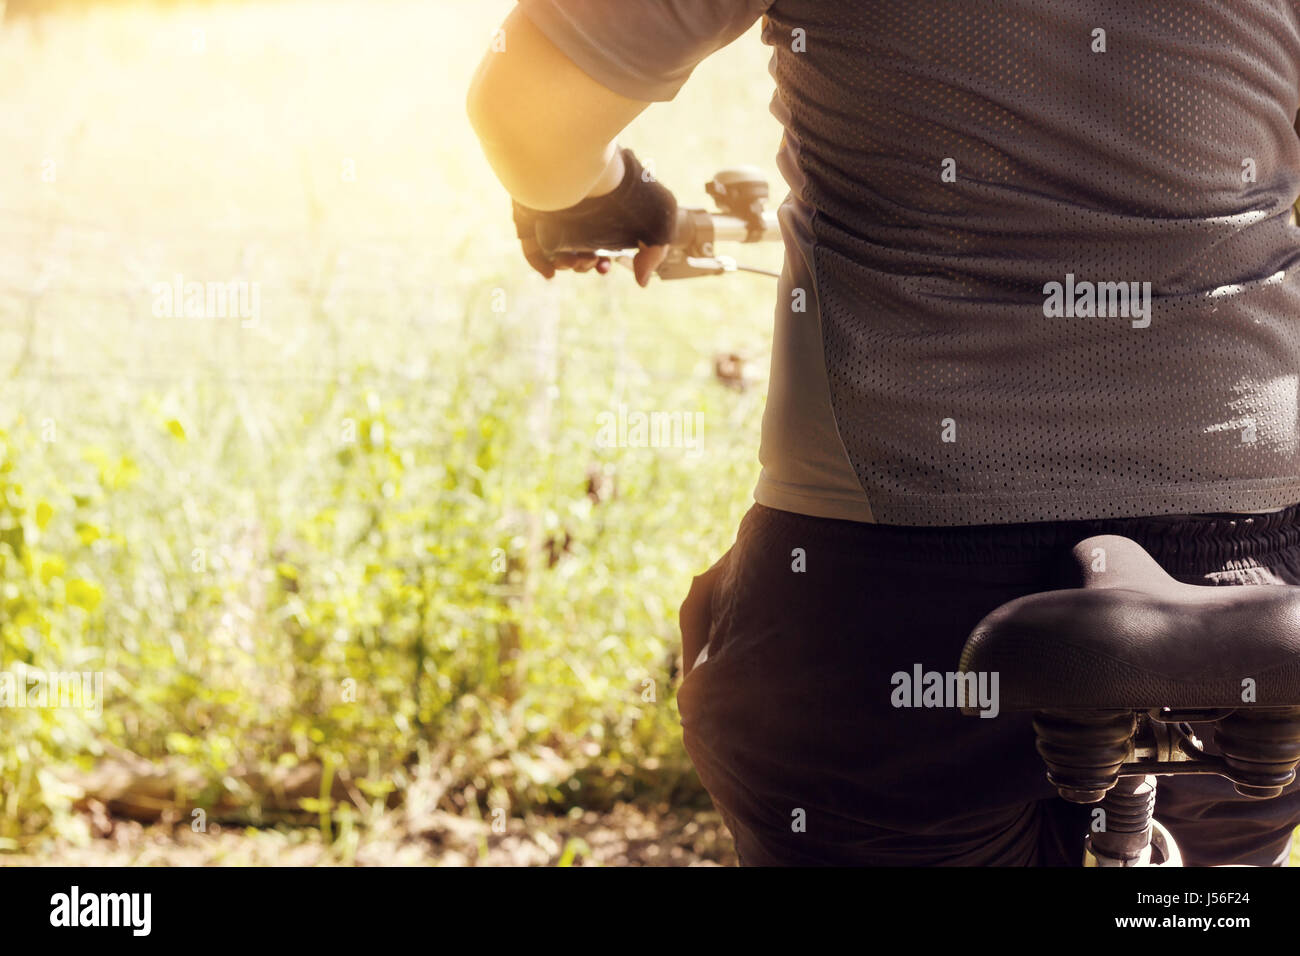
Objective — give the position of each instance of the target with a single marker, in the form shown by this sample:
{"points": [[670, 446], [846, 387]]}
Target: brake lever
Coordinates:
{"points": [[688, 267]]}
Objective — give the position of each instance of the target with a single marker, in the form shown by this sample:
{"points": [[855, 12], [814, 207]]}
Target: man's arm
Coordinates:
{"points": [[547, 128], [572, 75]]}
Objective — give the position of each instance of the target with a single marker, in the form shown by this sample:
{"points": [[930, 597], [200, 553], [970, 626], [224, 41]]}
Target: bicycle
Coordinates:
{"points": [[1116, 670]]}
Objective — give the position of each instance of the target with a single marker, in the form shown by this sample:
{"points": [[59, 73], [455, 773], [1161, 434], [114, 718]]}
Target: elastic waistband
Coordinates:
{"points": [[1182, 544]]}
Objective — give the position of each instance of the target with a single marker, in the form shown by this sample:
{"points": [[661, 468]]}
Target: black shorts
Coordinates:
{"points": [[788, 715]]}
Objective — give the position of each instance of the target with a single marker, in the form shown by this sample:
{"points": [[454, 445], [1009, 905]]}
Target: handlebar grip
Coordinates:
{"points": [[692, 228], [555, 237], [694, 231]]}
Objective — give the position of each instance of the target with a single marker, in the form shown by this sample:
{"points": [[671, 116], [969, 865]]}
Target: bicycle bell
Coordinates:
{"points": [[741, 191]]}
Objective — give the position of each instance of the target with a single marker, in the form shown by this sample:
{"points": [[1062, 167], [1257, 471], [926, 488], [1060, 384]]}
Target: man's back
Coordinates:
{"points": [[1054, 254]]}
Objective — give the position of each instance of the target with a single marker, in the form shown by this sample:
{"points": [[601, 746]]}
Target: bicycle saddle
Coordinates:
{"points": [[1130, 637]]}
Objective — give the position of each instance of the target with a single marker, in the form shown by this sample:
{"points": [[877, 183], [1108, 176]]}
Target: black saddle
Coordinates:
{"points": [[1132, 638]]}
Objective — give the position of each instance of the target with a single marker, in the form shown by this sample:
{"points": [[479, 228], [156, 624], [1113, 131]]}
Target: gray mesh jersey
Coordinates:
{"points": [[1048, 248]]}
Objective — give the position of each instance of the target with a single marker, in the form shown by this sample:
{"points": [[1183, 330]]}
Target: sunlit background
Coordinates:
{"points": [[363, 584]]}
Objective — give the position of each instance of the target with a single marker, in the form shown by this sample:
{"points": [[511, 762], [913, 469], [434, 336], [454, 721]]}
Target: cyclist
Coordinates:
{"points": [[1040, 283]]}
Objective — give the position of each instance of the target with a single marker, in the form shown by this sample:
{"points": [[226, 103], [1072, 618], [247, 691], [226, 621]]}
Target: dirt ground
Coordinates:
{"points": [[623, 836]]}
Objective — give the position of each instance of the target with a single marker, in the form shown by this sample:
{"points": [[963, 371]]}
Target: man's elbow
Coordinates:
{"points": [[508, 150], [478, 108]]}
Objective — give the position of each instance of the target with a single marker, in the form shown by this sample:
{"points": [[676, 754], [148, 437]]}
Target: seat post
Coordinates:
{"points": [[1124, 838]]}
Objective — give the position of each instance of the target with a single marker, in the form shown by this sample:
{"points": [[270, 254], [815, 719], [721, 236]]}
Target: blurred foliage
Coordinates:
{"points": [[451, 579], [374, 530], [50, 611]]}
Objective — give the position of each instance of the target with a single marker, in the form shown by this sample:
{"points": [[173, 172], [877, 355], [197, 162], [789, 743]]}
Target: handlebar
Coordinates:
{"points": [[692, 251], [740, 193], [727, 228]]}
